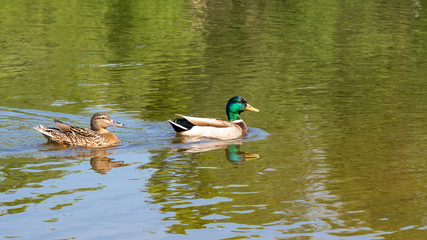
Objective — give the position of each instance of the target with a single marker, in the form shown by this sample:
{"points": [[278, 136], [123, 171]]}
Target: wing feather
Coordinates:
{"points": [[212, 122], [85, 132], [63, 127]]}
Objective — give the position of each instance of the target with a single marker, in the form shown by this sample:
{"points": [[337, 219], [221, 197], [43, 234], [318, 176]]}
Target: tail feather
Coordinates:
{"points": [[51, 134], [44, 130], [181, 124]]}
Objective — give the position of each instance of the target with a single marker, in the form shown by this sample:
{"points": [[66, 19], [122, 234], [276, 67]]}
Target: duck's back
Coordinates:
{"points": [[94, 139]]}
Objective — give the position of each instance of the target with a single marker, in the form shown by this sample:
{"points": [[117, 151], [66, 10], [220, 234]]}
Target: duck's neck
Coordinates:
{"points": [[233, 116], [101, 131]]}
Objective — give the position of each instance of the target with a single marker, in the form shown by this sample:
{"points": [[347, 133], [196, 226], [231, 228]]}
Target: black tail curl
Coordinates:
{"points": [[181, 124]]}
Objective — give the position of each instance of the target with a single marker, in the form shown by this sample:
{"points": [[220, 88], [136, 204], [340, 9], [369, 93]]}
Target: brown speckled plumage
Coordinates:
{"points": [[96, 136]]}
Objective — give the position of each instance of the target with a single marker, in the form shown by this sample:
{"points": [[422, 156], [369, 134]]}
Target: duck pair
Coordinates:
{"points": [[98, 136]]}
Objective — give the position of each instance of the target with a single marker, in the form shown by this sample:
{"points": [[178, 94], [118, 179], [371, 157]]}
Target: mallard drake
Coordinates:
{"points": [[96, 136], [216, 128]]}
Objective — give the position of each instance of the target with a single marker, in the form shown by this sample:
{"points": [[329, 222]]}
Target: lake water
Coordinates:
{"points": [[338, 150]]}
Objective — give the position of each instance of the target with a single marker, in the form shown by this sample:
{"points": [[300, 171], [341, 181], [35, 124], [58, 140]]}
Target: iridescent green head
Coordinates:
{"points": [[237, 105]]}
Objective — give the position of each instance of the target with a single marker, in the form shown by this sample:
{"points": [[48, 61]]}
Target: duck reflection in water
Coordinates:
{"points": [[99, 159], [232, 148], [234, 154], [101, 163]]}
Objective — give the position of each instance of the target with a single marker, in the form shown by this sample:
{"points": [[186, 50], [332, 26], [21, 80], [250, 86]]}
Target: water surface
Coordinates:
{"points": [[337, 151]]}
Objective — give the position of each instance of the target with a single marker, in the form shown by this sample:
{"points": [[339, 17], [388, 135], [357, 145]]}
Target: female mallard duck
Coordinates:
{"points": [[216, 128], [96, 136]]}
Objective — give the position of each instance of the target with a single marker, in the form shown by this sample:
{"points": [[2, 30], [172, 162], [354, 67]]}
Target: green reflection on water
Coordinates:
{"points": [[340, 85], [18, 175]]}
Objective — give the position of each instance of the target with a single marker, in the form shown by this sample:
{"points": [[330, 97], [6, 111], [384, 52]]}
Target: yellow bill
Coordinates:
{"points": [[250, 108]]}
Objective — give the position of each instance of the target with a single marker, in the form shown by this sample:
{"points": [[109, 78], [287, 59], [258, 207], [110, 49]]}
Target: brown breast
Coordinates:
{"points": [[243, 126], [111, 138]]}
